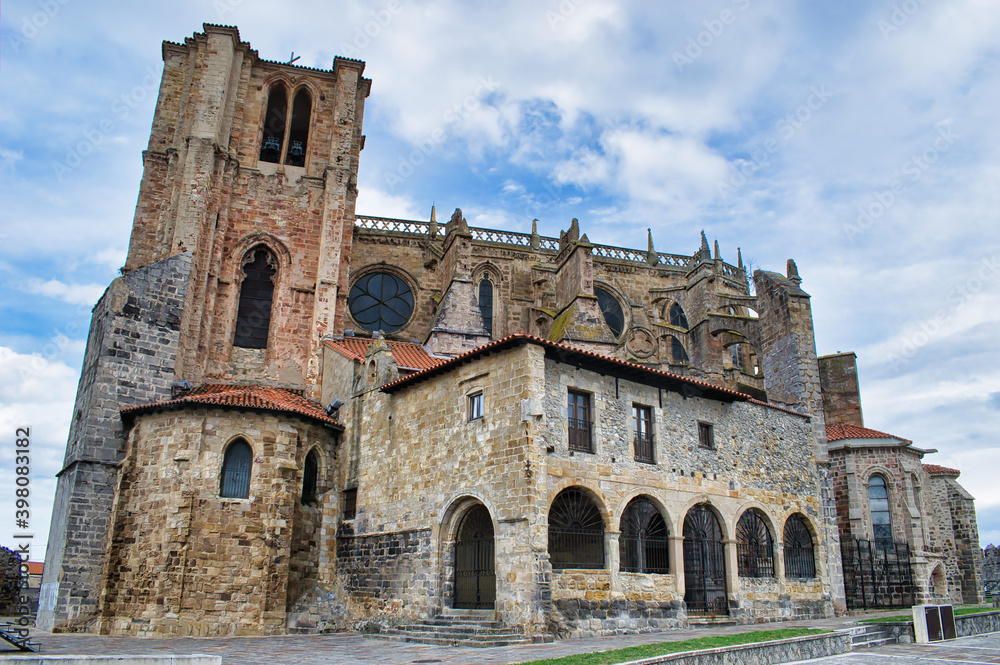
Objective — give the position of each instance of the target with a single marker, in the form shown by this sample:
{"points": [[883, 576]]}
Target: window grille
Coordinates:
{"points": [[309, 477], [253, 317], [706, 435], [642, 429], [579, 422], [350, 503], [798, 545], [381, 301], [486, 303], [476, 406], [643, 542], [236, 464], [576, 531], [754, 546]]}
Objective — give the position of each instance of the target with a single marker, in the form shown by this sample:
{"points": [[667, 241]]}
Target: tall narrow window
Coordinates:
{"points": [[486, 303], [736, 355], [298, 131], [798, 545], [878, 504], [576, 531], [350, 503], [579, 422], [476, 406], [253, 318], [643, 543], [309, 476], [274, 125], [706, 435], [642, 429], [754, 547], [234, 482], [677, 317]]}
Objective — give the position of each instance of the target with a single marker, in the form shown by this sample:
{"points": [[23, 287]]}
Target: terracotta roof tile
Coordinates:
{"points": [[935, 469], [843, 431], [260, 398], [35, 567], [408, 355], [522, 338]]}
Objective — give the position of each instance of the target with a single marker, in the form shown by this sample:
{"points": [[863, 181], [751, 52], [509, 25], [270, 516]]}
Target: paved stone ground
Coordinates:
{"points": [[353, 648]]}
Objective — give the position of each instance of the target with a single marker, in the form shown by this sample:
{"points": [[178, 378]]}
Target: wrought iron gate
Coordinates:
{"points": [[877, 573], [475, 574], [704, 563]]}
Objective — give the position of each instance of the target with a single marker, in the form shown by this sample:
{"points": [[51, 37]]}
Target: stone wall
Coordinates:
{"points": [[838, 376], [130, 356], [184, 561]]}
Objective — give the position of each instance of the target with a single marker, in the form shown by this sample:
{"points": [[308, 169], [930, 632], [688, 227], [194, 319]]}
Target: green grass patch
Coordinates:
{"points": [[905, 618], [661, 648]]}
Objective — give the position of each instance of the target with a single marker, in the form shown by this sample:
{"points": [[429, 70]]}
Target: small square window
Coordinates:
{"points": [[476, 406], [350, 503], [706, 436]]}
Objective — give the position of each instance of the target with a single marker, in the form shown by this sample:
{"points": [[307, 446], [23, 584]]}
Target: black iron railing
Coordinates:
{"points": [[576, 548], [755, 560], [644, 448], [877, 573], [579, 436]]}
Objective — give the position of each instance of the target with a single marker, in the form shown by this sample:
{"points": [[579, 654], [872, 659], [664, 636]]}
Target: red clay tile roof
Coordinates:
{"points": [[260, 398], [408, 355], [574, 355], [846, 431], [35, 567], [935, 469]]}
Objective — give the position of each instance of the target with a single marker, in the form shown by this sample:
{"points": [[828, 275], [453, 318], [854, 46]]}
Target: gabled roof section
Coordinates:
{"points": [[936, 470], [843, 431], [408, 355], [580, 358], [257, 398]]}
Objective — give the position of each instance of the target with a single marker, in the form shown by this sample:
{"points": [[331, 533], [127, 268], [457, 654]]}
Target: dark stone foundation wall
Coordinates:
{"points": [[577, 617], [389, 576]]}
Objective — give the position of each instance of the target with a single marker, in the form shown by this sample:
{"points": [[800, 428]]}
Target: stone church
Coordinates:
{"points": [[295, 418]]}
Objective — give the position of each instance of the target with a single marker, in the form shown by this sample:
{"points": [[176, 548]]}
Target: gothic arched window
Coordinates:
{"points": [[677, 351], [611, 309], [253, 317], [234, 481], [298, 130], [486, 303], [677, 317], [273, 138], [798, 546], [643, 542], [576, 531], [754, 547], [878, 504], [310, 473]]}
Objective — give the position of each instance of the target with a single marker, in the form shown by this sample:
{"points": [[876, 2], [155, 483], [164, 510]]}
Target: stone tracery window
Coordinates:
{"points": [[253, 316], [677, 351], [234, 481], [611, 309], [381, 301], [677, 317], [486, 303]]}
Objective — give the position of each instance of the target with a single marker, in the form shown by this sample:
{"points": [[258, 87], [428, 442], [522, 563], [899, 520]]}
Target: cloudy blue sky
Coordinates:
{"points": [[858, 137]]}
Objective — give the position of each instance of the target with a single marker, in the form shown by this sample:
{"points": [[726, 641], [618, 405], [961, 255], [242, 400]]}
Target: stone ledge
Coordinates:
{"points": [[761, 653]]}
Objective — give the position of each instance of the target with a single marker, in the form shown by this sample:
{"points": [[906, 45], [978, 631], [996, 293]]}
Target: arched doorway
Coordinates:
{"points": [[704, 563], [475, 570]]}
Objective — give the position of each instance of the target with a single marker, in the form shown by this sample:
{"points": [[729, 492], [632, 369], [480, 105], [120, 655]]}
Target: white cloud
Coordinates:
{"points": [[74, 294], [373, 201]]}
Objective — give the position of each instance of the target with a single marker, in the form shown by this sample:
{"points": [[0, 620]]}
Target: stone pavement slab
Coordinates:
{"points": [[978, 650]]}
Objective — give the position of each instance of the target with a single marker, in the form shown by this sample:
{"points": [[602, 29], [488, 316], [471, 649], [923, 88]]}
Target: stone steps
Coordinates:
{"points": [[468, 628], [867, 637]]}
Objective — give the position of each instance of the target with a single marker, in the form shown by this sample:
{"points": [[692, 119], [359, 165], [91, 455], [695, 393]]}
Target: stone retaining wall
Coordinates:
{"points": [[763, 653]]}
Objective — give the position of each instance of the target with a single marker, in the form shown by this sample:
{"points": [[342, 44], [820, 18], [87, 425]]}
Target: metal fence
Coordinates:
{"points": [[877, 573], [576, 548]]}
